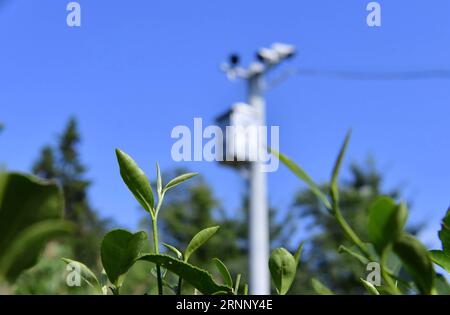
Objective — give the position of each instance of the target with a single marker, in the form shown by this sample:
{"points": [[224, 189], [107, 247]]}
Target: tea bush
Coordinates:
{"points": [[406, 265]]}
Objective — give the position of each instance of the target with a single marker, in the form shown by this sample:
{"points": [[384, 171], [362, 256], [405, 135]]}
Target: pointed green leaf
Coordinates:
{"points": [[441, 259], [198, 278], [178, 180], [119, 251], [136, 180], [444, 233], [198, 240], [104, 282], [300, 173], [369, 287], [85, 273], [442, 286], [158, 180], [237, 283], [226, 276], [334, 188], [298, 254], [246, 289], [320, 288], [354, 253], [386, 222], [417, 262], [173, 250], [283, 267]]}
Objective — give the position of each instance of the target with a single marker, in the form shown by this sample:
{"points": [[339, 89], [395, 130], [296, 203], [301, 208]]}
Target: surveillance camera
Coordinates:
{"points": [[269, 56], [284, 51], [234, 60]]}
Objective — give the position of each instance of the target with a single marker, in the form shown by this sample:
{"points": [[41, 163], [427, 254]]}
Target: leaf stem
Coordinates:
{"points": [[349, 231], [385, 274], [156, 249]]}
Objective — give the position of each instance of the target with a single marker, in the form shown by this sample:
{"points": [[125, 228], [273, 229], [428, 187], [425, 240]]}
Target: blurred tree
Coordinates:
{"points": [[321, 259], [62, 163]]}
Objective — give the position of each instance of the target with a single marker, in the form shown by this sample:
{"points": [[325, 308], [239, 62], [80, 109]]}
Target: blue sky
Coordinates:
{"points": [[133, 71]]}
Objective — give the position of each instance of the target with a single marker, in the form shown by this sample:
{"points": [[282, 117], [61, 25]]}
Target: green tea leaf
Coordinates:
{"points": [[386, 221], [173, 250], [198, 240], [298, 254], [369, 287], [237, 283], [119, 251], [158, 180], [178, 180], [441, 259], [198, 278], [136, 180], [300, 173], [85, 273], [224, 272], [26, 203], [354, 253], [444, 233], [334, 188], [283, 267], [320, 288], [417, 262], [442, 286]]}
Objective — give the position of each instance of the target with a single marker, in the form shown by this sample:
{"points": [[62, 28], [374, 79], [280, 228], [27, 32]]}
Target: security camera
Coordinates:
{"points": [[284, 51], [234, 60], [268, 56]]}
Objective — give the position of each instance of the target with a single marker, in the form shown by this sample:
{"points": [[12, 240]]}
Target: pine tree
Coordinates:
{"points": [[62, 163]]}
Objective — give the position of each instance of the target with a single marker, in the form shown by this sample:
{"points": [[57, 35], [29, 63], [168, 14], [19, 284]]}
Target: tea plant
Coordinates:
{"points": [[121, 249], [388, 243]]}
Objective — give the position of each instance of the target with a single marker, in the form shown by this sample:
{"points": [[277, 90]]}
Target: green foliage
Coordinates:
{"points": [[386, 222], [174, 250], [442, 257], [320, 288], [198, 240], [226, 276], [119, 251], [416, 261], [283, 267], [334, 187], [86, 274], [199, 278], [370, 287], [178, 180], [385, 226], [136, 181], [30, 215], [300, 173]]}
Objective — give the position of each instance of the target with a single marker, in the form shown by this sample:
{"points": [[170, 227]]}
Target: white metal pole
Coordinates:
{"points": [[259, 283]]}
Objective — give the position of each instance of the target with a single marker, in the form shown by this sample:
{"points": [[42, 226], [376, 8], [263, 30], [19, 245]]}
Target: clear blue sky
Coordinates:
{"points": [[134, 70]]}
